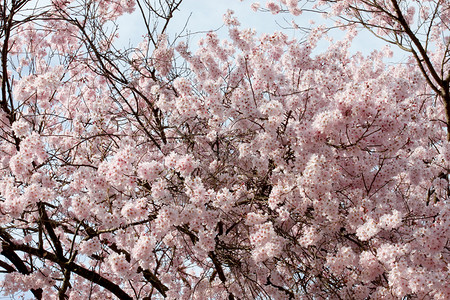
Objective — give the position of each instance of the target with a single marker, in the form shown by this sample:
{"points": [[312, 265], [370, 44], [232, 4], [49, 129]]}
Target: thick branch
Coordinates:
{"points": [[48, 226], [17, 262], [443, 84], [68, 265], [417, 43], [148, 275]]}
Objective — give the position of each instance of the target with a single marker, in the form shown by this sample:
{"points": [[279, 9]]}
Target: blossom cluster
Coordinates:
{"points": [[270, 169]]}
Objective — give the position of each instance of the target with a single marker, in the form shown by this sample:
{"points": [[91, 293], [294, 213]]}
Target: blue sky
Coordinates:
{"points": [[206, 15]]}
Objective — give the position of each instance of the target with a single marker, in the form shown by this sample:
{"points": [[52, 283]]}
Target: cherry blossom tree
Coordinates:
{"points": [[418, 27], [250, 168]]}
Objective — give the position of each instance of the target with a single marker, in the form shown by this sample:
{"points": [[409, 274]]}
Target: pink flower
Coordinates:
{"points": [[367, 230], [149, 171], [273, 7], [255, 6], [390, 221]]}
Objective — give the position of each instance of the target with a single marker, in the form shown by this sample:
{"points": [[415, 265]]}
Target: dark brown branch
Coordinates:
{"points": [[65, 285], [8, 268], [67, 265], [16, 260], [49, 227], [219, 269], [148, 275], [416, 42], [7, 20], [290, 294]]}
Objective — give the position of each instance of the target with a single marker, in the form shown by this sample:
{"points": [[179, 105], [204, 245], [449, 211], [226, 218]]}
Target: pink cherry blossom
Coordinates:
{"points": [[255, 166]]}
